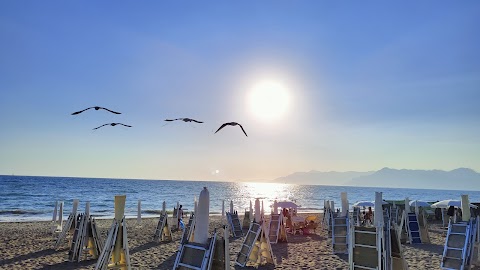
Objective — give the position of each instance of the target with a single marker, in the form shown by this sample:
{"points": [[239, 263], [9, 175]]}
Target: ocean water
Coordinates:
{"points": [[32, 198]]}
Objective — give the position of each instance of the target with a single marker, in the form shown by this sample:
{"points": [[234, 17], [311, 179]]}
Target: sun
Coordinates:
{"points": [[268, 100]]}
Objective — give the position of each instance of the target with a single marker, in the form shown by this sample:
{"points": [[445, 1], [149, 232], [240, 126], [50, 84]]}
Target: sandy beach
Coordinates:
{"points": [[29, 245]]}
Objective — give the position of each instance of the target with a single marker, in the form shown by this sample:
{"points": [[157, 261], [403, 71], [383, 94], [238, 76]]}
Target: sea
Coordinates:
{"points": [[32, 198]]}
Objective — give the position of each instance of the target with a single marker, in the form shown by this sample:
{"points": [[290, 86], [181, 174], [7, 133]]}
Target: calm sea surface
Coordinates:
{"points": [[29, 198]]}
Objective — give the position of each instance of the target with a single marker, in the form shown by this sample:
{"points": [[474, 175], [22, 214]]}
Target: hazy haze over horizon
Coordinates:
{"points": [[364, 86]]}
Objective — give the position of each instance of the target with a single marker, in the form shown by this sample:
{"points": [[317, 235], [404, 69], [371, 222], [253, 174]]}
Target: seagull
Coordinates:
{"points": [[96, 108], [231, 124], [184, 120], [112, 124]]}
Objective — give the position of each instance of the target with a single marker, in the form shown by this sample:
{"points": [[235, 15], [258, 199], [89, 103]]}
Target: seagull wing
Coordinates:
{"points": [[222, 126], [102, 126], [123, 125], [81, 111], [169, 120], [243, 130], [200, 122], [110, 110]]}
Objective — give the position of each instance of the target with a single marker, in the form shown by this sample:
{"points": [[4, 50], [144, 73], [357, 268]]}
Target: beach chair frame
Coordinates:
{"points": [[107, 252], [248, 243], [69, 226], [364, 235], [188, 229], [234, 224], [413, 228], [274, 231], [162, 231], [340, 234], [455, 251], [207, 254]]}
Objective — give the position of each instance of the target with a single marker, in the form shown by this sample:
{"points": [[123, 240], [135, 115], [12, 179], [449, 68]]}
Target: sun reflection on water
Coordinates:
{"points": [[268, 192]]}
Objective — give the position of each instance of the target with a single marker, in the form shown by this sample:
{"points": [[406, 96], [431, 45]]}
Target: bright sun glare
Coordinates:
{"points": [[268, 100]]}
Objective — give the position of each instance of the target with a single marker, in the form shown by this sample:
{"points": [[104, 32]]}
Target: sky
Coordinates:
{"points": [[317, 85]]}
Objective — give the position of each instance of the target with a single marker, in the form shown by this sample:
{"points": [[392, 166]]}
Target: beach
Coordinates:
{"points": [[29, 245]]}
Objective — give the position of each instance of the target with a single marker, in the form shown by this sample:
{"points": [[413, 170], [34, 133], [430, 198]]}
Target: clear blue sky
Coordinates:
{"points": [[370, 85]]}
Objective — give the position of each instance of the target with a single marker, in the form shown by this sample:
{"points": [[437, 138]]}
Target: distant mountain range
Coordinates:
{"points": [[458, 179]]}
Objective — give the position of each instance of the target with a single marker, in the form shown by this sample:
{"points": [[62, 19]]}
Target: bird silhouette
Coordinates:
{"points": [[231, 124], [96, 108], [112, 124], [184, 120]]}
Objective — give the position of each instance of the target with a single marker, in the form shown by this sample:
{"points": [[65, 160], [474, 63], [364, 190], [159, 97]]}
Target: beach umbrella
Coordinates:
{"points": [[448, 203], [417, 203], [202, 217], [251, 211], [257, 211], [223, 208], [262, 211], [364, 204], [287, 205]]}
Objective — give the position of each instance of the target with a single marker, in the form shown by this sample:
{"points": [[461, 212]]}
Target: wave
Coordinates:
{"points": [[152, 211], [20, 212]]}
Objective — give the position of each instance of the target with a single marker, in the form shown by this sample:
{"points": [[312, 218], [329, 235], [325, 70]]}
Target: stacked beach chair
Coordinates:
{"points": [[459, 249], [276, 229], [413, 228], [256, 249], [162, 231], [187, 234], [376, 247], [234, 224], [86, 238], [340, 228], [115, 253], [69, 226], [328, 216], [203, 252]]}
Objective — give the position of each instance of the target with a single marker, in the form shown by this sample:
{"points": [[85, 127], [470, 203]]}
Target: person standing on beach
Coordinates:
{"points": [[179, 215], [451, 213]]}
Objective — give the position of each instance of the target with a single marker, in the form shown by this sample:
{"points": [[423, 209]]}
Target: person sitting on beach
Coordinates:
{"points": [[369, 215]]}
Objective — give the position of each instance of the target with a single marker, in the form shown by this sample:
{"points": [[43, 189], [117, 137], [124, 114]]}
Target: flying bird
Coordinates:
{"points": [[231, 124], [96, 108], [184, 120], [112, 124]]}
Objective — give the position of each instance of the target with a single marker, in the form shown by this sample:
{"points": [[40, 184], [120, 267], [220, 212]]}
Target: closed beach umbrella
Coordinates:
{"points": [[448, 203], [257, 210], [262, 211], [195, 206], [364, 204], [417, 203], [202, 218], [251, 210], [223, 208]]}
